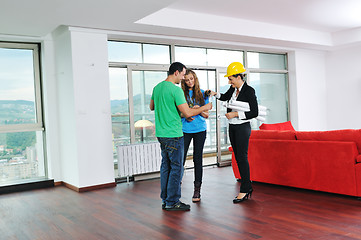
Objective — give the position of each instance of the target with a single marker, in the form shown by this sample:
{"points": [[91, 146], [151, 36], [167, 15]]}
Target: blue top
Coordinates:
{"points": [[199, 122]]}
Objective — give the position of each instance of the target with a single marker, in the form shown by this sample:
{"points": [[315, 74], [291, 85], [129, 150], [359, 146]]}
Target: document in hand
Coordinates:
{"points": [[244, 107]]}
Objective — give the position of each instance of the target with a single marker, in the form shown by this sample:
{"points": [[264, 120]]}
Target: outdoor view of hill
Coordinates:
{"points": [[121, 106], [22, 111], [17, 111]]}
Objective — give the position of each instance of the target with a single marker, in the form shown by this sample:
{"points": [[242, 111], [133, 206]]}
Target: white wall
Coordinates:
{"points": [[344, 88], [325, 89], [308, 90], [66, 108]]}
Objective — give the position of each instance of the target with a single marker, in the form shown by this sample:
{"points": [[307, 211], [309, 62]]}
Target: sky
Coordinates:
{"points": [[17, 70], [16, 74]]}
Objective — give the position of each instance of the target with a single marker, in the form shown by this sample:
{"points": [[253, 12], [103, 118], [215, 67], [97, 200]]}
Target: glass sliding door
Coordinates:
{"points": [[224, 155], [143, 122], [131, 88], [141, 66], [119, 104], [207, 80]]}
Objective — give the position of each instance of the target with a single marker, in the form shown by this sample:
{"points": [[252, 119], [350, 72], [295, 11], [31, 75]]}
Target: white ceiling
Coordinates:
{"points": [[226, 19], [318, 15]]}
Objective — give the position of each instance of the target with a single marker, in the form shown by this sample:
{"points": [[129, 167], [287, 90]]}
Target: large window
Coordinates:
{"points": [[211, 59], [135, 68], [138, 53], [206, 56], [269, 77], [131, 89], [119, 106], [144, 120], [21, 125]]}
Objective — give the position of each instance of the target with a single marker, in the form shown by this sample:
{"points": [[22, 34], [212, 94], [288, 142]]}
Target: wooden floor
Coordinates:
{"points": [[134, 212]]}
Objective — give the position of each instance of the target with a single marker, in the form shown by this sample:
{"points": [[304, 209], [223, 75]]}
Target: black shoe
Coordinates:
{"points": [[197, 192], [178, 207], [245, 197], [163, 206]]}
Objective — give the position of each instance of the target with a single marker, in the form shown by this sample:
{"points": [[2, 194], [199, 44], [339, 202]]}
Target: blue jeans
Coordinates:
{"points": [[171, 169]]}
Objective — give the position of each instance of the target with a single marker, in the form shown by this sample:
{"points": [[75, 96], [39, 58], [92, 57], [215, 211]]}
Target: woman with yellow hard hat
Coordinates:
{"points": [[239, 123]]}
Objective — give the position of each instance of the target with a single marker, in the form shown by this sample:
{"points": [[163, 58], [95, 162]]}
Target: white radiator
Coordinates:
{"points": [[140, 158]]}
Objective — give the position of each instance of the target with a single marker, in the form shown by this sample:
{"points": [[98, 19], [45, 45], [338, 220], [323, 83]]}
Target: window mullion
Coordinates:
{"points": [[38, 102], [21, 128]]}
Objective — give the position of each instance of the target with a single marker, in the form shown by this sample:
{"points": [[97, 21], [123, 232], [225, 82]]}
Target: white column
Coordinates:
{"points": [[84, 108]]}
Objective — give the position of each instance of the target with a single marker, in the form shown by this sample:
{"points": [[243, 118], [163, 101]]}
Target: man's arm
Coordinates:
{"points": [[204, 114], [189, 112], [151, 105]]}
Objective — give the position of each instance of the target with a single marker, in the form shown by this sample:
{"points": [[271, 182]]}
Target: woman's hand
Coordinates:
{"points": [[210, 93], [204, 114], [190, 119], [231, 115]]}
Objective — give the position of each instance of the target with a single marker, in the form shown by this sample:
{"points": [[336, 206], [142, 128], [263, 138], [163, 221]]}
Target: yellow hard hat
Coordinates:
{"points": [[235, 68]]}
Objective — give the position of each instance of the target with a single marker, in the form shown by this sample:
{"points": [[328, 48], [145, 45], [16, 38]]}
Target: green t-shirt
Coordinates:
{"points": [[167, 97]]}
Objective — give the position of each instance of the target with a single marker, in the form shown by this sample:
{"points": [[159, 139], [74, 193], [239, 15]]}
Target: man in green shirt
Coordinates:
{"points": [[168, 102]]}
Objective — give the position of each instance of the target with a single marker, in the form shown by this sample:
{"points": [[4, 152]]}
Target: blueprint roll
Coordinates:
{"points": [[246, 105], [238, 108]]}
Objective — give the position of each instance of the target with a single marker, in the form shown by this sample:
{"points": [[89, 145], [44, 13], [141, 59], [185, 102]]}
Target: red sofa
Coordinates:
{"points": [[328, 161]]}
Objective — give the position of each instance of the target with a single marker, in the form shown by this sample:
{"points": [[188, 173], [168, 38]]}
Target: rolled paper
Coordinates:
{"points": [[260, 118], [246, 105], [262, 113], [238, 108]]}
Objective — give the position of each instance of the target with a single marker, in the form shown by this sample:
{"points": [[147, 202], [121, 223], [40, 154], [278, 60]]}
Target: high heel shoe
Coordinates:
{"points": [[248, 195]]}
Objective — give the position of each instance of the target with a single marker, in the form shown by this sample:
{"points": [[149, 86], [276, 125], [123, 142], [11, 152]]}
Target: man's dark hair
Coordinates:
{"points": [[176, 66]]}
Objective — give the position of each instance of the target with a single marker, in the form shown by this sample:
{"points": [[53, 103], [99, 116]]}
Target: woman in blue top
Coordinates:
{"points": [[195, 128]]}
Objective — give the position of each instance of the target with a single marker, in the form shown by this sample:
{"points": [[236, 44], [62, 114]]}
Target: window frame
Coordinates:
{"points": [[272, 71], [141, 43], [39, 124]]}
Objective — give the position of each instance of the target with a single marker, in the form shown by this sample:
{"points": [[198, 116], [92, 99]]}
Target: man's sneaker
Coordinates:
{"points": [[178, 207], [163, 206]]}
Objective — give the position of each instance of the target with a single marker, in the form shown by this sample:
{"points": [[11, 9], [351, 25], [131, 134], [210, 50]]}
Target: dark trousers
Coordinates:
{"points": [[239, 136], [198, 144]]}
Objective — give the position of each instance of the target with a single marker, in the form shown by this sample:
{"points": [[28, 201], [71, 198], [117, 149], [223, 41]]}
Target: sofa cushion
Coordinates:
{"points": [[273, 134], [345, 135], [277, 126]]}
